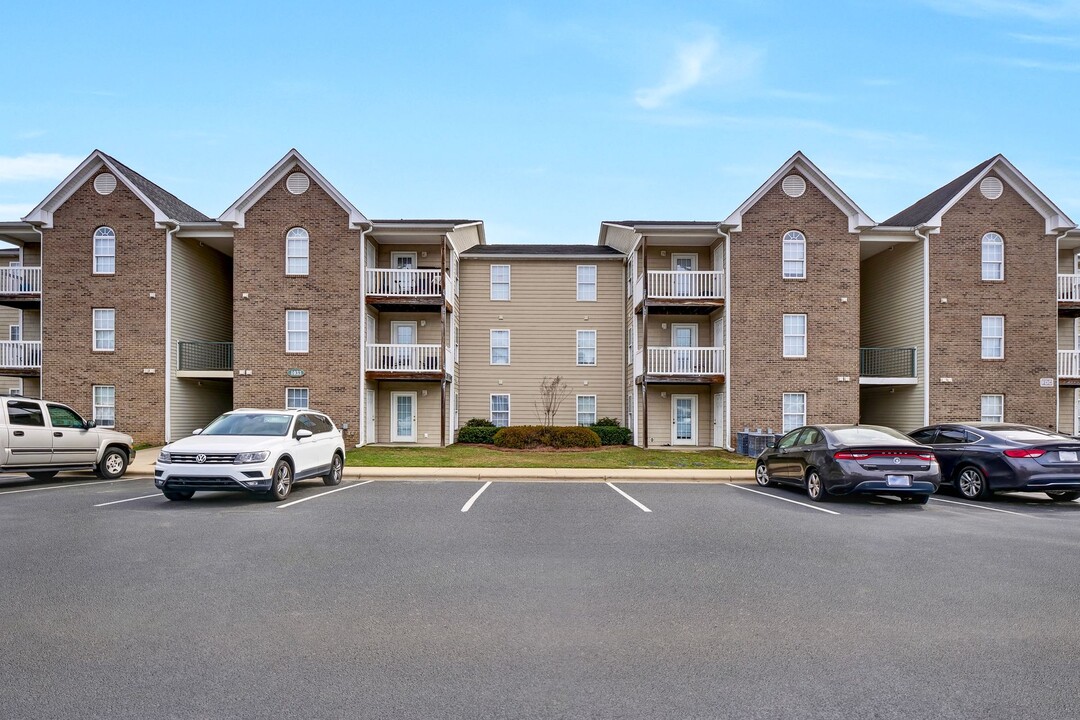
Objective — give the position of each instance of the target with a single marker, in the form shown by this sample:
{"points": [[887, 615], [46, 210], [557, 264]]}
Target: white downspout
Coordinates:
{"points": [[1057, 377], [170, 233], [41, 319], [926, 323], [361, 432], [727, 337]]}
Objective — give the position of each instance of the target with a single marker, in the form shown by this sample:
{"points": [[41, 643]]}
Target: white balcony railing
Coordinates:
{"points": [[1069, 363], [20, 281], [404, 283], [686, 360], [16, 354], [1068, 288], [686, 284], [404, 358]]}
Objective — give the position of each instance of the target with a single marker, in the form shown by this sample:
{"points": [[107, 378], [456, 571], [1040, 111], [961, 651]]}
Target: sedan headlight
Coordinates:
{"points": [[252, 457], [164, 456]]}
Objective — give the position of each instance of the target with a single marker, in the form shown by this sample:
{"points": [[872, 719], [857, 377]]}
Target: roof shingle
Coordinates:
{"points": [[926, 208], [172, 206]]}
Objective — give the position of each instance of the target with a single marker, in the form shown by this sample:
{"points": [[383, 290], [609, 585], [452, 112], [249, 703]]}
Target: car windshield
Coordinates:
{"points": [[268, 424], [1031, 435], [870, 435]]}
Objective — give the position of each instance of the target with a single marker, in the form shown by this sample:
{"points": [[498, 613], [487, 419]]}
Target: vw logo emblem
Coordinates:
{"points": [[896, 460], [200, 458]]}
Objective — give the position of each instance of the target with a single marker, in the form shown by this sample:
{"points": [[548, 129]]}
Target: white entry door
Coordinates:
{"points": [[718, 420], [684, 284], [369, 421], [684, 419], [403, 417], [404, 333], [1076, 411], [684, 336]]}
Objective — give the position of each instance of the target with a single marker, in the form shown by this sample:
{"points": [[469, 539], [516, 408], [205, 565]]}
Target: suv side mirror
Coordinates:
{"points": [[301, 434], [90, 424], [196, 431], [770, 444]]}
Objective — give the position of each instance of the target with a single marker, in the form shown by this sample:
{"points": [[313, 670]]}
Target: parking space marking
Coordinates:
{"points": [[983, 507], [328, 492], [643, 508], [466, 506], [141, 497], [69, 485], [777, 497]]}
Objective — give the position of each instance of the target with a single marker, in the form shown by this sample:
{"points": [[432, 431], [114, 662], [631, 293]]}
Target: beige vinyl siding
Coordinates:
{"points": [[662, 257], [430, 333], [31, 322], [8, 317], [384, 254], [1066, 263], [1066, 410], [427, 411], [892, 315], [31, 387], [31, 255], [660, 336], [543, 316], [661, 422], [201, 311], [1066, 331]]}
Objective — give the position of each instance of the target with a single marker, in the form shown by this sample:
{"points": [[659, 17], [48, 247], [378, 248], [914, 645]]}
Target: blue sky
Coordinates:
{"points": [[542, 118]]}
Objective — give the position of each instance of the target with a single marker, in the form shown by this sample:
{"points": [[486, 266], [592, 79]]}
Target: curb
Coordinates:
{"points": [[549, 474]]}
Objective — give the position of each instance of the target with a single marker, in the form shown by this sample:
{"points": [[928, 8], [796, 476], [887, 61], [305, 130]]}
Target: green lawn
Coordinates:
{"points": [[487, 456]]}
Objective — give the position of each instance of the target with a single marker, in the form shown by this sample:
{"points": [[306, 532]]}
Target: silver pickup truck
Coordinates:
{"points": [[42, 438]]}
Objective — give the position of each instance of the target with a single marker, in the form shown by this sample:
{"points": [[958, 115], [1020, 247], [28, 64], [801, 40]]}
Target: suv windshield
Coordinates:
{"points": [[269, 424]]}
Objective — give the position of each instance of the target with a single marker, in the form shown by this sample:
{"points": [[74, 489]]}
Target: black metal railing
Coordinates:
{"points": [[205, 356], [887, 362]]}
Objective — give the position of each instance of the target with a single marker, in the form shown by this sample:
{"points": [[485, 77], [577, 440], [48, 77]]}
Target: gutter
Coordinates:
{"points": [[362, 406], [170, 235], [925, 237]]}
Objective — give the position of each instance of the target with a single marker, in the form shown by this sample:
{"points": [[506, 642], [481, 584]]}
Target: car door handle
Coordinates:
{"points": [[18, 433], [58, 434]]}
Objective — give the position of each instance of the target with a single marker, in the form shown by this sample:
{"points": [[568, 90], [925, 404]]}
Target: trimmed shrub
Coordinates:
{"points": [[606, 422], [522, 437], [481, 434], [612, 435], [479, 422]]}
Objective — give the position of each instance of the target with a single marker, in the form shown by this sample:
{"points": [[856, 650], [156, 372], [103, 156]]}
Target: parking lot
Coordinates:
{"points": [[533, 600]]}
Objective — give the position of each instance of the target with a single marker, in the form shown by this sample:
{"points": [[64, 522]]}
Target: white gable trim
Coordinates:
{"points": [[235, 214], [1056, 220], [43, 214], [857, 219]]}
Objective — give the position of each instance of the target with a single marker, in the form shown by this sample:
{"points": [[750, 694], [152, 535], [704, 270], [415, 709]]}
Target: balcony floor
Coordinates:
{"points": [[393, 303], [418, 376], [681, 379], [20, 372], [690, 306], [21, 302], [1069, 382]]}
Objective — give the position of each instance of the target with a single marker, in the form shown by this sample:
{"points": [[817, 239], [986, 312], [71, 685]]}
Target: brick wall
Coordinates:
{"points": [[330, 292]]}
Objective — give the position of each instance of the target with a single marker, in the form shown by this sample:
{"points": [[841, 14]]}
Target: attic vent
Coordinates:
{"points": [[793, 186], [991, 188], [105, 183], [297, 183]]}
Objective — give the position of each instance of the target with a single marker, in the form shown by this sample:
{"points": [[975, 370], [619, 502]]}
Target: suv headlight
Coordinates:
{"points": [[164, 456], [252, 457]]}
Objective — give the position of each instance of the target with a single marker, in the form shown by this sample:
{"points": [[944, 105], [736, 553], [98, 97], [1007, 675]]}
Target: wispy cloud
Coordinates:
{"points": [[30, 134], [13, 211], [36, 166], [1041, 10], [700, 61], [1043, 65], [1053, 40]]}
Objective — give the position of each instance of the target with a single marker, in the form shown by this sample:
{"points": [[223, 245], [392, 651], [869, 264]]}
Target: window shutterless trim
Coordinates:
{"points": [[103, 233], [492, 346], [577, 408], [491, 285], [491, 407], [802, 335], [579, 347], [307, 396], [96, 329], [985, 337], [295, 235], [307, 331], [587, 283]]}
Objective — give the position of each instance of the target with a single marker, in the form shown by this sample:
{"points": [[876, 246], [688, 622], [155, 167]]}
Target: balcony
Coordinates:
{"points": [[685, 364], [389, 361], [682, 291], [396, 288], [1068, 291], [20, 287], [888, 366], [204, 359], [1069, 366], [22, 358]]}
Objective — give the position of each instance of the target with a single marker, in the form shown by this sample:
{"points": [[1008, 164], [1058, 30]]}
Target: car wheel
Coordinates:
{"points": [[113, 464], [761, 474], [916, 499], [43, 475], [178, 494], [971, 484], [1063, 495], [815, 487], [282, 481], [334, 476]]}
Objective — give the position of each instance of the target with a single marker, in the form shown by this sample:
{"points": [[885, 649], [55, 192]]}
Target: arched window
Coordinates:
{"points": [[993, 257], [104, 251], [296, 252], [794, 254]]}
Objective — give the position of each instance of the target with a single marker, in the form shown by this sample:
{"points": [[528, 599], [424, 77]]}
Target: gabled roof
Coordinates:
{"points": [[928, 211], [165, 206], [234, 215], [857, 219]]}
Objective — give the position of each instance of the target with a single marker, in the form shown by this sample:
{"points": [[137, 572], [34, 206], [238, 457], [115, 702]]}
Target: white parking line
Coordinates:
{"points": [[983, 507], [466, 506], [69, 485], [328, 492], [628, 497], [141, 497], [777, 497]]}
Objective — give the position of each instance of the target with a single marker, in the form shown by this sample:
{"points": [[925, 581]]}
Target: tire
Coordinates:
{"points": [[113, 464], [916, 499], [43, 474], [815, 486], [761, 474], [282, 481], [971, 484], [1063, 495], [334, 476], [178, 494]]}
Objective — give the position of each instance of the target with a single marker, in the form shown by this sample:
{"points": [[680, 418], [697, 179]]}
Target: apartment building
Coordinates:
{"points": [[143, 312]]}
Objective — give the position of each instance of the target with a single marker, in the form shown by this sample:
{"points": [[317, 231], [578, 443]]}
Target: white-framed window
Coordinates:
{"points": [[586, 283], [993, 257], [105, 329], [296, 331], [105, 405], [631, 273], [500, 347], [993, 408], [500, 282], [631, 327], [794, 254], [297, 245], [993, 337], [795, 335], [586, 347], [500, 410], [586, 410], [104, 251], [296, 398], [14, 333], [794, 411]]}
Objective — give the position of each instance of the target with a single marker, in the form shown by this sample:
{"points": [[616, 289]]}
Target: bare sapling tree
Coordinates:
{"points": [[552, 393]]}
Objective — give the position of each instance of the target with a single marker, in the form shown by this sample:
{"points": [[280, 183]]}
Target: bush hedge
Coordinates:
{"points": [[479, 422], [606, 422], [612, 434], [482, 434], [521, 437]]}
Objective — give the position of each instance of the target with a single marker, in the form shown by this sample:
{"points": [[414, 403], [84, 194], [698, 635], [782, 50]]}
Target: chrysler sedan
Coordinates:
{"points": [[832, 460]]}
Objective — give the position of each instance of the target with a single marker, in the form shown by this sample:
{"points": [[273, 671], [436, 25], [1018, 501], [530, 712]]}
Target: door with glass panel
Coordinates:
{"points": [[683, 265], [404, 278], [404, 333], [683, 336], [684, 419], [403, 417]]}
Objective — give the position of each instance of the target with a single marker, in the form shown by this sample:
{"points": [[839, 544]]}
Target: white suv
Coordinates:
{"points": [[257, 451]]}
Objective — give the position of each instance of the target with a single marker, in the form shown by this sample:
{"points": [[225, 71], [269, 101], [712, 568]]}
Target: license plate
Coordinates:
{"points": [[898, 480], [1067, 455]]}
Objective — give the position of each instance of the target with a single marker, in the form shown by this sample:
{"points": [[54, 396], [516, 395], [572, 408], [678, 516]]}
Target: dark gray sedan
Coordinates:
{"points": [[846, 459]]}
